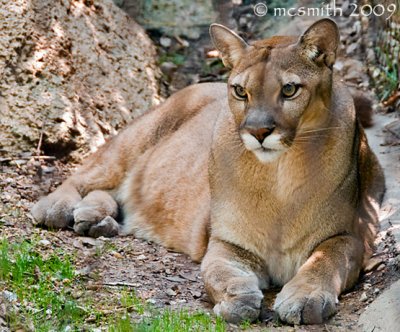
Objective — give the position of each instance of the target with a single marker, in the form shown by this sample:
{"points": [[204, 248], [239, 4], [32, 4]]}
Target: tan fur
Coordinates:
{"points": [[300, 211]]}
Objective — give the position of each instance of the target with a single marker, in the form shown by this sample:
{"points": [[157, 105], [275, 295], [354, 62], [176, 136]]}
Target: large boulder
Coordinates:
{"points": [[172, 17], [71, 71]]}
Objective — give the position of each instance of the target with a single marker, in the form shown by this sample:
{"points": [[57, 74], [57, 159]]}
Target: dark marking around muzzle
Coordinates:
{"points": [[259, 124]]}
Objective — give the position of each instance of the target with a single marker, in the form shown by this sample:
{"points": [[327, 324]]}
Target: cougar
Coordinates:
{"points": [[267, 180]]}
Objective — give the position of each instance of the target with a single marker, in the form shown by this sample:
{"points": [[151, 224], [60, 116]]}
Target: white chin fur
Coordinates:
{"points": [[271, 143], [250, 142], [267, 156]]}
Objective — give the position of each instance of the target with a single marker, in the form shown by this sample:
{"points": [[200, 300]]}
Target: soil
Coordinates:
{"points": [[164, 278]]}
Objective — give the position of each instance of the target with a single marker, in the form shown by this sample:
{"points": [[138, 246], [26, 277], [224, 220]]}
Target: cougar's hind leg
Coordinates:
{"points": [[95, 215], [70, 204], [103, 170]]}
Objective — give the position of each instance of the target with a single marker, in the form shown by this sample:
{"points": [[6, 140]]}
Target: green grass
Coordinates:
{"points": [[42, 281], [388, 81], [40, 285], [181, 321], [176, 58], [171, 321]]}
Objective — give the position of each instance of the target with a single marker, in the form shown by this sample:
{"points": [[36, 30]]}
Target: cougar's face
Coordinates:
{"points": [[275, 100], [279, 88]]}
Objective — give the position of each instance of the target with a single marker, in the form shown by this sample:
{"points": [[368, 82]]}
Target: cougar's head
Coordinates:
{"points": [[280, 87]]}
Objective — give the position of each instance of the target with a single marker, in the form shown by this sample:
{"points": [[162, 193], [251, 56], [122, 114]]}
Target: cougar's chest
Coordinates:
{"points": [[268, 229], [267, 212]]}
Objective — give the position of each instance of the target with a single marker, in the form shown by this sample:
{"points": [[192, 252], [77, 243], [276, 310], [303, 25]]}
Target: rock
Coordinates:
{"points": [[170, 292], [196, 294], [243, 21], [18, 162], [363, 297], [370, 55], [165, 42], [189, 276], [380, 267], [77, 244], [77, 294], [372, 264], [3, 310], [44, 243], [48, 170], [354, 76], [346, 8], [376, 73], [88, 241], [394, 128], [352, 48], [141, 257], [84, 271], [175, 279], [9, 296], [394, 261], [356, 28], [383, 314], [366, 286], [338, 65], [168, 68], [72, 72], [173, 17], [117, 255]]}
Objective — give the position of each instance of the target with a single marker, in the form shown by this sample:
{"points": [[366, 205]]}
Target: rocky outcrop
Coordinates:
{"points": [[172, 17], [71, 71]]}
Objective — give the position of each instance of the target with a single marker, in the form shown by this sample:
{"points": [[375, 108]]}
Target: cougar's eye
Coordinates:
{"points": [[289, 90], [240, 92]]}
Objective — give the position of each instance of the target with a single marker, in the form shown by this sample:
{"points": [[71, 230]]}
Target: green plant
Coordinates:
{"points": [[42, 282], [39, 285], [181, 321], [175, 58]]}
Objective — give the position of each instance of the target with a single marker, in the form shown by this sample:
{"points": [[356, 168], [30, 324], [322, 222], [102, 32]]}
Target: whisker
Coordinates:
{"points": [[310, 137], [321, 129]]}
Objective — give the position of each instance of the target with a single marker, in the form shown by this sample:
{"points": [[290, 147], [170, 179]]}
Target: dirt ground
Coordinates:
{"points": [[161, 277]]}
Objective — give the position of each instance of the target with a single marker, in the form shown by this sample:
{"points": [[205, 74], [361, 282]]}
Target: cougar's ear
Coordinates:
{"points": [[321, 41], [228, 43]]}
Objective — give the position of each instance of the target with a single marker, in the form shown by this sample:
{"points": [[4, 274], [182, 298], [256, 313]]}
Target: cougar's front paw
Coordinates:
{"points": [[240, 306], [56, 209], [304, 304]]}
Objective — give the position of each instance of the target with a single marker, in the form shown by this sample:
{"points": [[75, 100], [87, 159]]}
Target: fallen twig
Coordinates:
{"points": [[39, 146], [392, 99], [5, 160], [119, 284]]}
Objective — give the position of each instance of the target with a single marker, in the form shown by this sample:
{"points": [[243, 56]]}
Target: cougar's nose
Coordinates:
{"points": [[261, 133]]}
